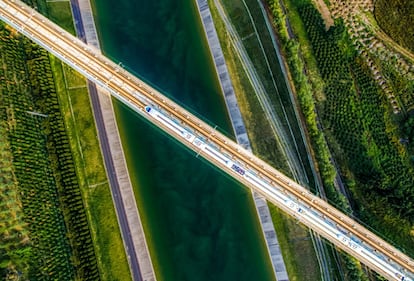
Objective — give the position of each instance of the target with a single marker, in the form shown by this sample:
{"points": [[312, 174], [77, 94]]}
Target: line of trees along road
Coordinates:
{"points": [[396, 17], [358, 122], [55, 241]]}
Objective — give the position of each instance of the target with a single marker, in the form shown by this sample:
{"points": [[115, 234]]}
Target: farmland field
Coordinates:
{"points": [[50, 252], [58, 231], [398, 23], [294, 239], [361, 129]]}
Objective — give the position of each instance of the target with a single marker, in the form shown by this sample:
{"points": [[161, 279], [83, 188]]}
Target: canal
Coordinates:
{"points": [[200, 224]]}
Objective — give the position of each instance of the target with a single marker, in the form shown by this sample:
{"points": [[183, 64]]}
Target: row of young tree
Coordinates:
{"points": [[358, 115], [305, 86], [396, 17], [50, 253], [60, 156], [59, 237], [352, 109]]}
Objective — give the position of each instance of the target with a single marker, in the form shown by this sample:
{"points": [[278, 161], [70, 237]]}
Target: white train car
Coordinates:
{"points": [[169, 123], [302, 211]]}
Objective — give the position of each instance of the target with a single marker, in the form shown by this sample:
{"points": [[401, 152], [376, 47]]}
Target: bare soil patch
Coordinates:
{"points": [[326, 14]]}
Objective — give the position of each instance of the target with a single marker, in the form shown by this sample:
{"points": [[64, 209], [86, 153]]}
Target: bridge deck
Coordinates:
{"points": [[132, 232], [242, 138], [289, 196]]}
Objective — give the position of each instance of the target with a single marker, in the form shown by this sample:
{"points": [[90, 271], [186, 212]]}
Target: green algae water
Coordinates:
{"points": [[199, 223]]}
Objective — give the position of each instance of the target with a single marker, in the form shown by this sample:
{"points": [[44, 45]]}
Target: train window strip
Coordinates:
{"points": [[217, 155], [172, 123]]}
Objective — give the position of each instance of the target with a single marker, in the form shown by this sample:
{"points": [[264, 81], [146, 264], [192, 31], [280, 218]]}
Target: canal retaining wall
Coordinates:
{"points": [[241, 136], [116, 167]]}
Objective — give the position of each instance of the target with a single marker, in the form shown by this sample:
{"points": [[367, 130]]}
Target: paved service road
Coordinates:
{"points": [[107, 156], [114, 184]]}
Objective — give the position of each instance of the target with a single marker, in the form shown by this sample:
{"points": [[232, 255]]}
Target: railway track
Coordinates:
{"points": [[138, 95]]}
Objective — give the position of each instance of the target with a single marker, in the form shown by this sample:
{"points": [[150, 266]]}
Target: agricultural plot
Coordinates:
{"points": [[355, 112], [391, 65], [261, 135], [359, 117], [50, 254], [14, 239], [60, 240], [63, 166], [399, 23], [309, 88]]}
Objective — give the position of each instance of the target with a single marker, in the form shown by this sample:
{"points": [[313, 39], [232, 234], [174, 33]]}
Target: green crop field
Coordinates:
{"points": [[265, 144], [344, 105], [396, 17], [360, 127], [50, 253]]}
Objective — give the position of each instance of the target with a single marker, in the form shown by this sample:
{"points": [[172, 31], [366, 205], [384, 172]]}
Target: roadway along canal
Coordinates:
{"points": [[200, 224]]}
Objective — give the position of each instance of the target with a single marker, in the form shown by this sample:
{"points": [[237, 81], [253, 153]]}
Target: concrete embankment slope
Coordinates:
{"points": [[121, 188], [241, 135]]}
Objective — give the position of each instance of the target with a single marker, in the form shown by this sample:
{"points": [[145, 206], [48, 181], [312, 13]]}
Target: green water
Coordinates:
{"points": [[200, 224]]}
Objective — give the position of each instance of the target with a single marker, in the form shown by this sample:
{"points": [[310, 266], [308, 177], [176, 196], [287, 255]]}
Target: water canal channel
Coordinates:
{"points": [[200, 224]]}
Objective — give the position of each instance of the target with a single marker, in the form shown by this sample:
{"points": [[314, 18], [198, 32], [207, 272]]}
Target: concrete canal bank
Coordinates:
{"points": [[241, 135], [121, 188]]}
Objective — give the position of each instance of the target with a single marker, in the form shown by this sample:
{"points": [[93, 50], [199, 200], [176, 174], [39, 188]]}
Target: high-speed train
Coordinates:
{"points": [[301, 211]]}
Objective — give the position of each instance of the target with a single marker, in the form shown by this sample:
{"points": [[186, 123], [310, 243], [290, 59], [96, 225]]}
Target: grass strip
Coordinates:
{"points": [[75, 106], [265, 146]]}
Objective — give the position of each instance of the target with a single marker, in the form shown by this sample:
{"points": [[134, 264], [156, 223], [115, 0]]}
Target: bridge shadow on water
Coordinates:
{"points": [[201, 224]]}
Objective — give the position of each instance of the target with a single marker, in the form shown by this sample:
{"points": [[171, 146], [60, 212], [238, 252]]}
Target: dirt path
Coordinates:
{"points": [[325, 13], [381, 35]]}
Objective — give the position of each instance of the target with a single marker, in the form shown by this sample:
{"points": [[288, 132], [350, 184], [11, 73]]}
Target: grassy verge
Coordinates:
{"points": [[359, 128], [258, 128], [60, 13], [264, 144], [260, 49], [75, 106], [295, 238]]}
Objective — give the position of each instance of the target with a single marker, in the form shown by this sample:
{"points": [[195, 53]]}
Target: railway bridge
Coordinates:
{"points": [[209, 143]]}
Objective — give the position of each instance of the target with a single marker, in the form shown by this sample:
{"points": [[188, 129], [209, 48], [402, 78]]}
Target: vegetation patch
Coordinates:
{"points": [[356, 113], [265, 145], [250, 24], [60, 13], [50, 254], [396, 17], [76, 110], [55, 238], [63, 165], [347, 95], [15, 250], [357, 121], [73, 79], [258, 128], [296, 244], [77, 113]]}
